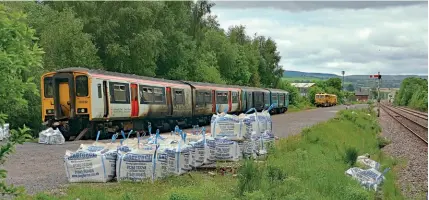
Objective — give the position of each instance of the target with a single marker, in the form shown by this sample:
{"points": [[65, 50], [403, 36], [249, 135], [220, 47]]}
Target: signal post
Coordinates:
{"points": [[378, 76]]}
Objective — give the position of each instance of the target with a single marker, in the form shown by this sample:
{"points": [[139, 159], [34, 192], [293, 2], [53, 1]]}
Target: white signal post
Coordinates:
{"points": [[378, 91]]}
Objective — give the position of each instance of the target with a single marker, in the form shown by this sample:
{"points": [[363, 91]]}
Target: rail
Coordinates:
{"points": [[414, 112], [392, 110]]}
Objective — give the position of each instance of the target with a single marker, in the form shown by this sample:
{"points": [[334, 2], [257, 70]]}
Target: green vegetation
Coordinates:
{"points": [[19, 54], [413, 93], [307, 166]]}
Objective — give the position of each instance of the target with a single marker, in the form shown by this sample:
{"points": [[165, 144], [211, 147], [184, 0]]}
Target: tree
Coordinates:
{"points": [[350, 88], [20, 59], [19, 55], [335, 83]]}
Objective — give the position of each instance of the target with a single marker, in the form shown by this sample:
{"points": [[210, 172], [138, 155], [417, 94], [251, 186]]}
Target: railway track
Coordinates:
{"points": [[414, 112], [418, 129]]}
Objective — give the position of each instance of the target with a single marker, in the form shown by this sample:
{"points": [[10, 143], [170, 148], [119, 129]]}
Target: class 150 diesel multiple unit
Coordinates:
{"points": [[80, 99]]}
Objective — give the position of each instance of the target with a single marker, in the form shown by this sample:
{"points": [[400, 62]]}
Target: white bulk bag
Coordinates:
{"points": [[161, 162], [197, 153], [226, 150], [51, 136], [267, 141], [4, 132], [137, 164], [209, 150], [227, 126], [91, 163], [178, 158]]}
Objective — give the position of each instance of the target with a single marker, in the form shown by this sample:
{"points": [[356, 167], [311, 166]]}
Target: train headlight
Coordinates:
{"points": [[81, 110], [49, 111]]}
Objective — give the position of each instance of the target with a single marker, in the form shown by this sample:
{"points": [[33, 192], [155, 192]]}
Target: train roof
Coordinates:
{"points": [[277, 90], [118, 74], [181, 82]]}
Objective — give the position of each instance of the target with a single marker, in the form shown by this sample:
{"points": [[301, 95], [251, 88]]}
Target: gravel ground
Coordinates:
{"points": [[412, 179], [40, 167]]}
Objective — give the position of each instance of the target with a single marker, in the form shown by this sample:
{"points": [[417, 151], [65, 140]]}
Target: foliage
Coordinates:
{"points": [[20, 59], [350, 88], [413, 93]]}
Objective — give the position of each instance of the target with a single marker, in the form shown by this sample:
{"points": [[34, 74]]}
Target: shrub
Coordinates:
{"points": [[350, 156]]}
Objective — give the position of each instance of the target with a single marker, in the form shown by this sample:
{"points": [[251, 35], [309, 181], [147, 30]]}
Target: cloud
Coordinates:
{"points": [[314, 5], [392, 40]]}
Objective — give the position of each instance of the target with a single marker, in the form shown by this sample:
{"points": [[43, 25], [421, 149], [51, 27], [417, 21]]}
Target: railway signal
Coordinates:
{"points": [[378, 76]]}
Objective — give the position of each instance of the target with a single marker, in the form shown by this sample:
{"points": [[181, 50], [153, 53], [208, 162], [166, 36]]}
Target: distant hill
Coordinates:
{"points": [[307, 74], [388, 81]]}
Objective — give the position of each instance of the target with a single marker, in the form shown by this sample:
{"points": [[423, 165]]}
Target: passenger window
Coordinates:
{"points": [[81, 86], [119, 93], [158, 94], [208, 97], [48, 87], [147, 95], [200, 98], [179, 98]]}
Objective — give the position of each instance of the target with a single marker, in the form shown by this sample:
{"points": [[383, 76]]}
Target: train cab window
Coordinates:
{"points": [[82, 86], [208, 97], [48, 87], [234, 97], [119, 93], [158, 94], [179, 97]]}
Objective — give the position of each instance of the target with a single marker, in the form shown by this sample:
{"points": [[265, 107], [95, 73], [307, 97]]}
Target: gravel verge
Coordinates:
{"points": [[40, 167], [412, 179]]}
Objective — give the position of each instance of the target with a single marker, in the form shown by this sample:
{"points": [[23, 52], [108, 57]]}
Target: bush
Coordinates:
{"points": [[350, 156]]}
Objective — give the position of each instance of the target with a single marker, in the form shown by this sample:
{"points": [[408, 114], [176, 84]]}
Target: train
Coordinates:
{"points": [[325, 100], [81, 101]]}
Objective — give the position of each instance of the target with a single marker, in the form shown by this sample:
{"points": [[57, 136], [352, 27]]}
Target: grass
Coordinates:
{"points": [[306, 166]]}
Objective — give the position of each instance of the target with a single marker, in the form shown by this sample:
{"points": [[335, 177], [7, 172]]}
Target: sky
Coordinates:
{"points": [[329, 37]]}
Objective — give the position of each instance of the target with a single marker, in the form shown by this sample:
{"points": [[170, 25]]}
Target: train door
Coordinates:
{"points": [[169, 101], [64, 95], [229, 101], [106, 99], [214, 101], [249, 100], [134, 100]]}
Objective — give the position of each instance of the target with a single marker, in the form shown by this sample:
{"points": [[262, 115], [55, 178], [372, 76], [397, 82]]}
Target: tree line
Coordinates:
{"points": [[179, 40], [413, 93]]}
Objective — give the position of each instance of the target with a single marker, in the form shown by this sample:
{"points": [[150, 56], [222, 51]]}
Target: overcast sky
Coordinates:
{"points": [[357, 37]]}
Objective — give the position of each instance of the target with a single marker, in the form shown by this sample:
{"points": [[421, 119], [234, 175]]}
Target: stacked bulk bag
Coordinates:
{"points": [[209, 150], [91, 163], [227, 126], [200, 151], [226, 150], [137, 164], [51, 136], [178, 156]]}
